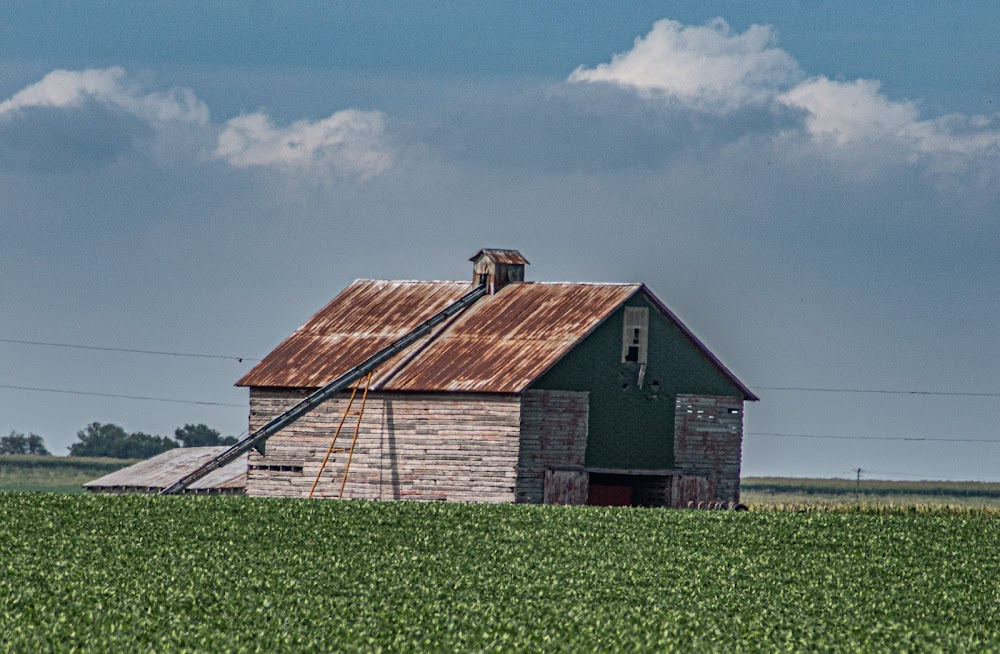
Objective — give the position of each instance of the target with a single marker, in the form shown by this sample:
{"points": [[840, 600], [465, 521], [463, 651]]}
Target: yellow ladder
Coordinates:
{"points": [[354, 440]]}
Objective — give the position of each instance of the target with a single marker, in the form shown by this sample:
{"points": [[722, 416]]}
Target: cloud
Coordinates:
{"points": [[46, 142], [716, 72], [706, 67], [67, 89], [851, 114], [569, 128], [849, 111], [86, 118], [349, 142]]}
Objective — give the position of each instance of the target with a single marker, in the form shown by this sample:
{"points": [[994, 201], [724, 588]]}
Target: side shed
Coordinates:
{"points": [[159, 472]]}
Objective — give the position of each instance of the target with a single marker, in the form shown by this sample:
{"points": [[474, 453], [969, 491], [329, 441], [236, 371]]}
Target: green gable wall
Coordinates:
{"points": [[631, 427]]}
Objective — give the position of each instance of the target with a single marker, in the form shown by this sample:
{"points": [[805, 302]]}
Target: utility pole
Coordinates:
{"points": [[857, 488]]}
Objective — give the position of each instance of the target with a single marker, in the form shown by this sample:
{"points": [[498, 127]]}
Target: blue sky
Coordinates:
{"points": [[811, 186]]}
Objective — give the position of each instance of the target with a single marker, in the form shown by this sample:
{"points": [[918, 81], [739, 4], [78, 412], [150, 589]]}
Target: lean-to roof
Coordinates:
{"points": [[501, 344], [164, 469]]}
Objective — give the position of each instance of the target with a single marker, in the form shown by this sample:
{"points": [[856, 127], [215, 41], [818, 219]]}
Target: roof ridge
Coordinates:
{"points": [[583, 283], [415, 281], [529, 282]]}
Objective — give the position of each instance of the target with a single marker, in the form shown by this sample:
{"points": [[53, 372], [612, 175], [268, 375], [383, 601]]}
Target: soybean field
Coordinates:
{"points": [[145, 573]]}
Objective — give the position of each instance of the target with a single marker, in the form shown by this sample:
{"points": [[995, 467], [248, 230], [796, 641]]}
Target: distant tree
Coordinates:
{"points": [[36, 445], [18, 443], [143, 446], [112, 441], [15, 443], [99, 440], [201, 436]]}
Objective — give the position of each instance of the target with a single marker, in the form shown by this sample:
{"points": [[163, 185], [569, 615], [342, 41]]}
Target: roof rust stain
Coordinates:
{"points": [[505, 341], [165, 468], [367, 316], [500, 344]]}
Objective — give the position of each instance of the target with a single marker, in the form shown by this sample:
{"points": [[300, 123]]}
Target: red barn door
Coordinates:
{"points": [[610, 495]]}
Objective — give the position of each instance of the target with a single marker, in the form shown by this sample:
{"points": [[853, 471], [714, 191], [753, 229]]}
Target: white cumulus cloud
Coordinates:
{"points": [[350, 142], [66, 89], [108, 114], [709, 68], [856, 113], [713, 70]]}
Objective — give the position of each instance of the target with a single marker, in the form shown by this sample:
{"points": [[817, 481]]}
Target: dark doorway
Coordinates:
{"points": [[611, 490]]}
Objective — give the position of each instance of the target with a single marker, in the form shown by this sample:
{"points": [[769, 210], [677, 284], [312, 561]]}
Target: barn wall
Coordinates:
{"points": [[631, 425], [708, 441], [457, 447], [553, 435]]}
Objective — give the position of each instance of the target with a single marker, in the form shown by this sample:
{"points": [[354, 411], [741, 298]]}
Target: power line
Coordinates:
{"points": [[120, 396], [149, 398], [883, 391], [128, 350], [877, 438], [241, 359]]}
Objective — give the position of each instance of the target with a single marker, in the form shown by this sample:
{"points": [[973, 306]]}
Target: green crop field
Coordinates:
{"points": [[802, 491], [145, 573], [57, 474]]}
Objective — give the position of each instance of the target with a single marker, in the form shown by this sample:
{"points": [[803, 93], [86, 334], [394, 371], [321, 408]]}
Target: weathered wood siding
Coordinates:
{"points": [[553, 435], [563, 486], [474, 447], [708, 441], [455, 447]]}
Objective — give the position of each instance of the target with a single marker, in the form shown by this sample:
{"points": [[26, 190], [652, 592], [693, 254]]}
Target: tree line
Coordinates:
{"points": [[111, 440]]}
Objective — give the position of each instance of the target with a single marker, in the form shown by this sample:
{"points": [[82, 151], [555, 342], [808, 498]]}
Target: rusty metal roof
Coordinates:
{"points": [[501, 256], [367, 316], [501, 344], [165, 468]]}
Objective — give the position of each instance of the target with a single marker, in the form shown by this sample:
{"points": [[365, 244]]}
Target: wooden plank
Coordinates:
{"points": [[418, 447], [565, 486]]}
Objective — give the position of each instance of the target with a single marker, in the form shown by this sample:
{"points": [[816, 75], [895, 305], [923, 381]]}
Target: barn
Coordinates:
{"points": [[568, 393]]}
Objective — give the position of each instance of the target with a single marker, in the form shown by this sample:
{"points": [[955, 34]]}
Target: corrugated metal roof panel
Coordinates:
{"points": [[499, 345], [367, 316], [503, 342], [166, 468]]}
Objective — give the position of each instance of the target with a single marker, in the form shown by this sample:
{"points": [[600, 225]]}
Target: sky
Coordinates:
{"points": [[811, 186]]}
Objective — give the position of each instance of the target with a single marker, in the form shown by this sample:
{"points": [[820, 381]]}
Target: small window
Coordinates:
{"points": [[635, 335], [275, 468]]}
